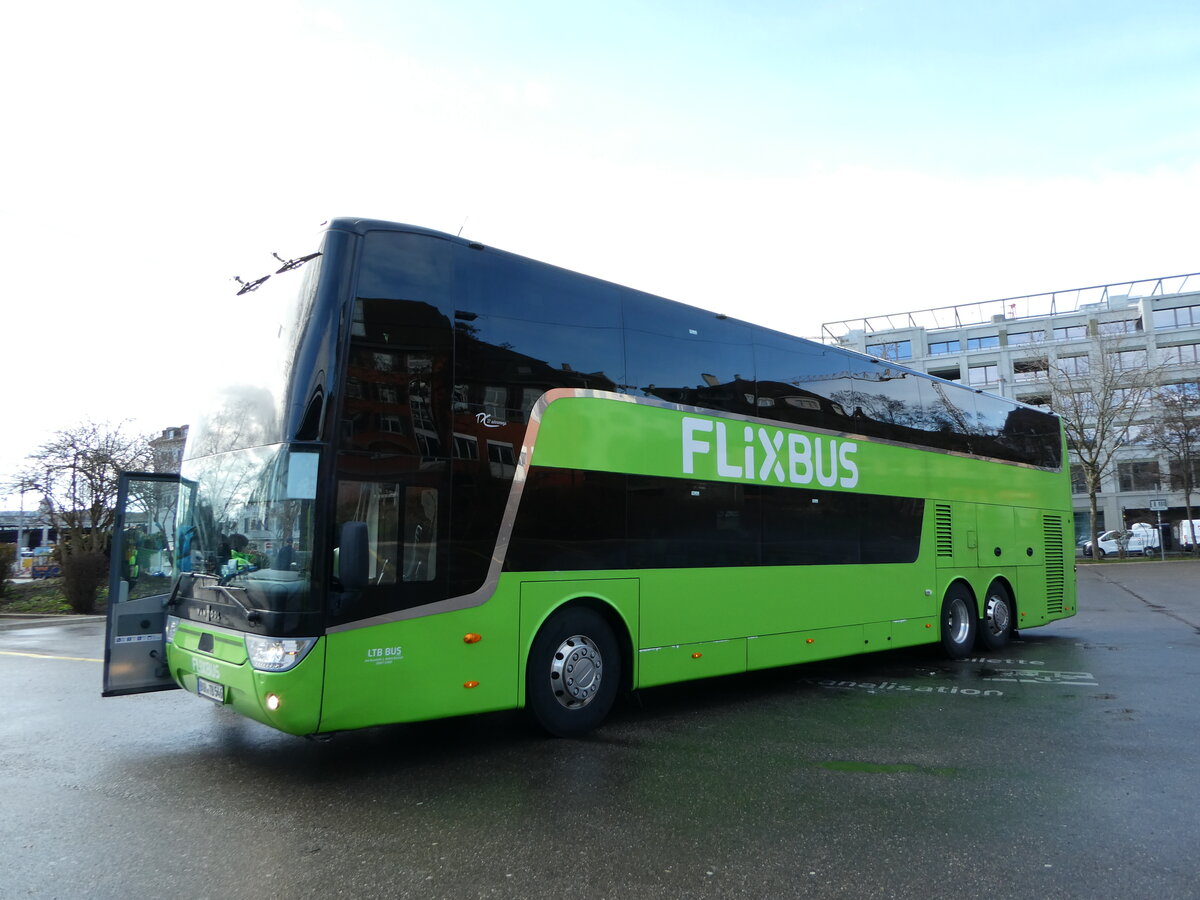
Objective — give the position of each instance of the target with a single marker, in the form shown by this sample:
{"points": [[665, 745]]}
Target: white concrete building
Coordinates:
{"points": [[997, 345]]}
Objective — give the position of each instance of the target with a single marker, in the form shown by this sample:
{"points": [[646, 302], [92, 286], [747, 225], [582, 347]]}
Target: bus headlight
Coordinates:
{"points": [[169, 630], [269, 654]]}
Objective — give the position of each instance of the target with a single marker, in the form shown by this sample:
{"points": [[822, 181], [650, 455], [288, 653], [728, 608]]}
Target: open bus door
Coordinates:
{"points": [[142, 568]]}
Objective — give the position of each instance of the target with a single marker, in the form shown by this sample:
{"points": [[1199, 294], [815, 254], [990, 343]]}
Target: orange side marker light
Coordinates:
{"points": [[697, 655], [471, 684], [472, 638]]}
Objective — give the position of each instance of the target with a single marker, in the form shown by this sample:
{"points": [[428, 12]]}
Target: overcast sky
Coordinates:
{"points": [[787, 163]]}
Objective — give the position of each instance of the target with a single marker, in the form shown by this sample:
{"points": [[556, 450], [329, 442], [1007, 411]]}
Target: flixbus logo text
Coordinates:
{"points": [[757, 453]]}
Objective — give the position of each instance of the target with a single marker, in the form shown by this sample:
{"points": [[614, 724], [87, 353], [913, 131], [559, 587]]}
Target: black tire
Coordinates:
{"points": [[1099, 553], [999, 618], [959, 622], [573, 672]]}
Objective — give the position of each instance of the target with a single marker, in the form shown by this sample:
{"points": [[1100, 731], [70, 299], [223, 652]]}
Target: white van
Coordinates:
{"points": [[1183, 533], [1142, 540]]}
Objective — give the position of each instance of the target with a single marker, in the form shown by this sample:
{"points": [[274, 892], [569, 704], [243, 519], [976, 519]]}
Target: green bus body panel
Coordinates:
{"points": [[614, 435], [299, 689], [688, 606], [423, 668], [683, 662]]}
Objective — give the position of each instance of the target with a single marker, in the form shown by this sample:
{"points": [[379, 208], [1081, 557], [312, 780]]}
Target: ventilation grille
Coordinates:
{"points": [[944, 531], [1056, 562]]}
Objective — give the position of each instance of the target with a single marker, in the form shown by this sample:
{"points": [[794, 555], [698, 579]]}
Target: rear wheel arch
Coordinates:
{"points": [[579, 659]]}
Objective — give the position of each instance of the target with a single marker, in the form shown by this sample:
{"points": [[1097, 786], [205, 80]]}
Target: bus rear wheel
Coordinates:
{"points": [[999, 618], [573, 673], [958, 622]]}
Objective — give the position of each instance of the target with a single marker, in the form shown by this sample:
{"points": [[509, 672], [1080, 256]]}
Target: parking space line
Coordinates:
{"points": [[49, 656]]}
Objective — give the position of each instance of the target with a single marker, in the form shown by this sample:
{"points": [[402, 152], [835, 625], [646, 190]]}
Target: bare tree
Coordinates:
{"points": [[75, 474], [1101, 397], [1175, 434]]}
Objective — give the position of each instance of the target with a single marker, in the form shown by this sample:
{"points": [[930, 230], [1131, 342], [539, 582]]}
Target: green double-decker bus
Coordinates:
{"points": [[457, 480]]}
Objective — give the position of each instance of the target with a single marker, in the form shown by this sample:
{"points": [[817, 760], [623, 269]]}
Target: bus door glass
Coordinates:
{"points": [[142, 569]]}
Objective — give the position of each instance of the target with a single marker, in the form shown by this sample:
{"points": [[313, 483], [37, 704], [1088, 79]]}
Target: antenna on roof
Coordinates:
{"points": [[462, 226]]}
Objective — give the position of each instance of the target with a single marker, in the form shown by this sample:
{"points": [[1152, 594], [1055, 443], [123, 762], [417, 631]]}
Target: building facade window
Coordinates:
{"points": [[989, 374], [1179, 470], [950, 374], [1121, 326], [1030, 370], [1180, 317], [1138, 475], [1074, 365], [1070, 332], [984, 342], [893, 350], [1183, 390], [1016, 338], [938, 348], [1129, 359], [1180, 354]]}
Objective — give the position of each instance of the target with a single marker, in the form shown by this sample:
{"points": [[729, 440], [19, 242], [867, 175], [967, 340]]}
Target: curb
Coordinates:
{"points": [[15, 621]]}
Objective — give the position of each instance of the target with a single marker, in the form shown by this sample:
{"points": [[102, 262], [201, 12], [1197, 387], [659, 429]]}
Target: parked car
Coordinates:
{"points": [[1140, 540]]}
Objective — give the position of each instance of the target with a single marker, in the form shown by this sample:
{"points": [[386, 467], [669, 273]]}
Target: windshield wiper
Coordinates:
{"points": [[289, 264], [248, 286]]}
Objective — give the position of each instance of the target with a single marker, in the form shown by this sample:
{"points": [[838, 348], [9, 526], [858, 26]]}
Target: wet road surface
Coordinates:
{"points": [[1067, 767]]}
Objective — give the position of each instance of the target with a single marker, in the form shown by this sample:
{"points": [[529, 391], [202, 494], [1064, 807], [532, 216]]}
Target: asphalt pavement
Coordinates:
{"points": [[1064, 767]]}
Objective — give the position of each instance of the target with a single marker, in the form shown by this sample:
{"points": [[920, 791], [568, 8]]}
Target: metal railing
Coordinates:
{"points": [[1029, 306]]}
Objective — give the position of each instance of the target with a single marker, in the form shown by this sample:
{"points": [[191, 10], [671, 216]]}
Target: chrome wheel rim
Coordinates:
{"points": [[998, 616], [958, 623], [576, 671]]}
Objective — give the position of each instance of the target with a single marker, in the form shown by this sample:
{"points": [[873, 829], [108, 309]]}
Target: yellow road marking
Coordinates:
{"points": [[49, 656]]}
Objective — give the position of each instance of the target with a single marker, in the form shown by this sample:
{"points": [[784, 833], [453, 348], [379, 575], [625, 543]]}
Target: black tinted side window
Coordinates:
{"points": [[799, 382], [688, 356], [397, 379], [526, 329]]}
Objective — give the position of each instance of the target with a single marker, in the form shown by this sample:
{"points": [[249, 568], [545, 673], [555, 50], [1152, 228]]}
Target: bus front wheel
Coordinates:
{"points": [[573, 673], [999, 618], [958, 622]]}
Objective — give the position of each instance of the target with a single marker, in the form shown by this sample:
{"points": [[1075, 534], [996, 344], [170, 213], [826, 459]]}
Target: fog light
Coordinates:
{"points": [[273, 702]]}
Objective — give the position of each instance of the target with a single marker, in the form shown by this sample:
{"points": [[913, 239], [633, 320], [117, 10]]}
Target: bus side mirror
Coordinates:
{"points": [[353, 556]]}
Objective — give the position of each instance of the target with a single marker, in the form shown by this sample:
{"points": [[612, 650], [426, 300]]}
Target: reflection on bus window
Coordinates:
{"points": [[401, 528], [420, 534]]}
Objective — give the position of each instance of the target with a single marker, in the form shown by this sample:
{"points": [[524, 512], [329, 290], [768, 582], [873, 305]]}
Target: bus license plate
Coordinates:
{"points": [[210, 689]]}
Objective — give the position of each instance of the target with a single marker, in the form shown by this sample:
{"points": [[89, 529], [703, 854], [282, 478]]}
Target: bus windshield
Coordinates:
{"points": [[244, 405], [245, 535]]}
